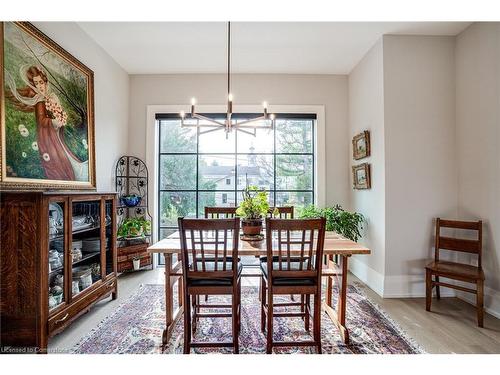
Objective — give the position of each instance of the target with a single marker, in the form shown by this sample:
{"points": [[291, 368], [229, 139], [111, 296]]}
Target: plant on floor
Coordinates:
{"points": [[348, 224], [134, 227]]}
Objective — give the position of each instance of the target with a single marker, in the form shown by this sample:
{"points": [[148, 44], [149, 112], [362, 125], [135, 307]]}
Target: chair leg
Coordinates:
{"points": [[196, 311], [262, 304], [236, 345], [317, 321], [303, 306], [269, 346], [307, 318], [187, 327], [428, 290], [239, 307], [438, 292], [479, 303]]}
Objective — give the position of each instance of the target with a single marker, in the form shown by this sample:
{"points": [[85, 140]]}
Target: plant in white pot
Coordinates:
{"points": [[253, 210]]}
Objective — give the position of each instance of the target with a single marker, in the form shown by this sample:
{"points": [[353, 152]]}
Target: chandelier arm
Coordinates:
{"points": [[201, 117], [210, 130]]}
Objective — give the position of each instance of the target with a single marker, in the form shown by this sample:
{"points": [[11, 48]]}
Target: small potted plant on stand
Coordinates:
{"points": [[252, 211]]}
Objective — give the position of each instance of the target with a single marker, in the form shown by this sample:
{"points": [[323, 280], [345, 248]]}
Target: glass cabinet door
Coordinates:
{"points": [[56, 257], [85, 245], [109, 236]]}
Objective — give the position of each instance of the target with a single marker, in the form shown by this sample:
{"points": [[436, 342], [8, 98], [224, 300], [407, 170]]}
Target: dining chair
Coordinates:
{"points": [[220, 212], [295, 248], [285, 212], [453, 270], [210, 267]]}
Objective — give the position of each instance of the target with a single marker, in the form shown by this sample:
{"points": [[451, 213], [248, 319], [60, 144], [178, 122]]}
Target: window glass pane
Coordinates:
{"points": [[215, 170], [297, 199], [294, 136], [174, 138], [165, 232], [214, 199], [256, 170], [263, 142], [178, 172], [175, 204], [216, 142], [294, 172]]}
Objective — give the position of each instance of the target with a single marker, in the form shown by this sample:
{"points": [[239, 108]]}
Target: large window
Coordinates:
{"points": [[211, 169]]}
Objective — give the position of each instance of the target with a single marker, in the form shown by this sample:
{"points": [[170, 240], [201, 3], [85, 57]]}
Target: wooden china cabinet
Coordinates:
{"points": [[57, 259]]}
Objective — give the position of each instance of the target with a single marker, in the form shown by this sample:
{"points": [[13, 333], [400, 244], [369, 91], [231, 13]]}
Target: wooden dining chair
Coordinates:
{"points": [[457, 271], [295, 247], [210, 267], [285, 212], [220, 212]]}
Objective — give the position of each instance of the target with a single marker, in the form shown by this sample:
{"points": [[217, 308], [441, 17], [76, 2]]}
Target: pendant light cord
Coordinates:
{"points": [[228, 58]]}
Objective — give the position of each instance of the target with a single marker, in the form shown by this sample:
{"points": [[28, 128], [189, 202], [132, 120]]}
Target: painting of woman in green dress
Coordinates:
{"points": [[47, 117]]}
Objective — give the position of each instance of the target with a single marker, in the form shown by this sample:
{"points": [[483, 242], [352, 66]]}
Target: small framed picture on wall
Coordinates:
{"points": [[361, 176], [361, 145]]}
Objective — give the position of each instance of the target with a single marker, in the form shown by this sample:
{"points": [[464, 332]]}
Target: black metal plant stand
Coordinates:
{"points": [[132, 177]]}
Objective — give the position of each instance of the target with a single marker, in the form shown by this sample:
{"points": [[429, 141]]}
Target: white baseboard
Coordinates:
{"points": [[409, 286], [373, 279], [491, 300]]}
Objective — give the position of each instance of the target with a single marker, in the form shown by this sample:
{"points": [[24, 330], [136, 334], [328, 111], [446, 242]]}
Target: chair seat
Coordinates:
{"points": [[285, 281], [210, 266], [457, 269]]}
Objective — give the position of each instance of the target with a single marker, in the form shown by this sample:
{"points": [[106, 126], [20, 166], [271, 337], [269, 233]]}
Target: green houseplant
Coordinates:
{"points": [[348, 224], [134, 227], [252, 210]]}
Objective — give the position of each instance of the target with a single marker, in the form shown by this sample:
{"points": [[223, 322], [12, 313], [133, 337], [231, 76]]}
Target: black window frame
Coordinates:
{"points": [[234, 190]]}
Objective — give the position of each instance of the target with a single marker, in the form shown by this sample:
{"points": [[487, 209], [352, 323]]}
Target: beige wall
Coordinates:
{"points": [[478, 143], [251, 89], [366, 112], [421, 171], [111, 85]]}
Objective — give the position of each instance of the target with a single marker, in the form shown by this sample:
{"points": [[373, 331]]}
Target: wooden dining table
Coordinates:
{"points": [[337, 251]]}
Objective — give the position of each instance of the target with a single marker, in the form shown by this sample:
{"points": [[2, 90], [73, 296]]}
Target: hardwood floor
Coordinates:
{"points": [[449, 328]]}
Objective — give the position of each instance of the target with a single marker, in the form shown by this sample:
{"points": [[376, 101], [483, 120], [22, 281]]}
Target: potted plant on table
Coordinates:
{"points": [[253, 210]]}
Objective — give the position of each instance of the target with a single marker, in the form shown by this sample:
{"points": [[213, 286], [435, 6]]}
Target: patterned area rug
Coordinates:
{"points": [[136, 326]]}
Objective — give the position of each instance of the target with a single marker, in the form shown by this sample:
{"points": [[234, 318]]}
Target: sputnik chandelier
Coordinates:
{"points": [[266, 121]]}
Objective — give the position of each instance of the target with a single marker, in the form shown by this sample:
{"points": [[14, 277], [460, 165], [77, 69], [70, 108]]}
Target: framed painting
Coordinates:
{"points": [[361, 176], [46, 112], [361, 145]]}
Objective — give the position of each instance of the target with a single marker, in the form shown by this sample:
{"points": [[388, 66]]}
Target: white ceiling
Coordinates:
{"points": [[257, 47]]}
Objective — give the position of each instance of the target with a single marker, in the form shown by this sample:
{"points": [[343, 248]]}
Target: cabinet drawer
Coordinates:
{"points": [[80, 306]]}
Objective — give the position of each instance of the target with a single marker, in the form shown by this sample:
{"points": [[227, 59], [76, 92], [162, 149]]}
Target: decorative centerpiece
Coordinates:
{"points": [[252, 211], [130, 200], [134, 227]]}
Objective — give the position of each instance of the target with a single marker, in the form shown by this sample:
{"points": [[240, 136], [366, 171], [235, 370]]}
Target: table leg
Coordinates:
{"points": [[171, 316], [338, 317]]}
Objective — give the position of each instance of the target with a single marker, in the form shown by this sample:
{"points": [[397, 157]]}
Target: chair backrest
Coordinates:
{"points": [[473, 246], [285, 212], [295, 240], [220, 212], [209, 247]]}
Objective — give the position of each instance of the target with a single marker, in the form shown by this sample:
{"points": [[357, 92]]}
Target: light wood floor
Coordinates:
{"points": [[449, 328]]}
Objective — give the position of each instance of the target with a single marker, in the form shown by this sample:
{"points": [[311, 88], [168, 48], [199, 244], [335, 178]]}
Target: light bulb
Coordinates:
{"points": [[264, 104], [272, 116], [230, 97], [183, 114], [193, 101]]}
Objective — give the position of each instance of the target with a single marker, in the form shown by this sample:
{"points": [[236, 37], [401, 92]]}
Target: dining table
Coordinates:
{"points": [[336, 252]]}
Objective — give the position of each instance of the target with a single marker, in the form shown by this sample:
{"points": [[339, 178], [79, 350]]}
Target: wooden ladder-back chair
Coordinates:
{"points": [[295, 248], [285, 212], [457, 271], [210, 267], [220, 212]]}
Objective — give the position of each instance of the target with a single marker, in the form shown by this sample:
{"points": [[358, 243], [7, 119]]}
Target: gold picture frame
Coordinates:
{"points": [[361, 176], [361, 145], [47, 113]]}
